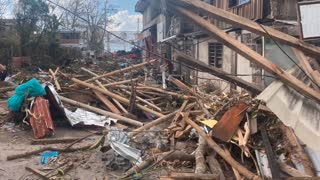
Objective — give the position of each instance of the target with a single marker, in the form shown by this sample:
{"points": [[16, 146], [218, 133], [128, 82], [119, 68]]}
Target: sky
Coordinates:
{"points": [[126, 19]]}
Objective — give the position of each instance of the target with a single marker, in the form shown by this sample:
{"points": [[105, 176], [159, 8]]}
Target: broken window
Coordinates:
{"points": [[233, 3], [215, 54]]}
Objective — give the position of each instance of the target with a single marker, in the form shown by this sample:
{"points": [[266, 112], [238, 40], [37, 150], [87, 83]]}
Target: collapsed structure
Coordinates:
{"points": [[176, 129]]}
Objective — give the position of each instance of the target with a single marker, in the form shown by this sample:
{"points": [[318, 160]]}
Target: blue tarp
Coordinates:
{"points": [[33, 88]]}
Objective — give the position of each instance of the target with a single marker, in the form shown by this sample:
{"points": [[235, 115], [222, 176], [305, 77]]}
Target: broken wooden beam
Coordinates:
{"points": [[250, 54], [247, 24], [292, 171], [102, 112], [115, 96], [122, 82], [218, 73], [55, 79], [106, 102], [229, 159], [201, 166], [152, 124], [137, 66]]}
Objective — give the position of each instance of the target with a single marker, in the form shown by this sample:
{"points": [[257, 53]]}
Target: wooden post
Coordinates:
{"points": [[251, 55], [115, 96], [102, 112], [244, 171]]}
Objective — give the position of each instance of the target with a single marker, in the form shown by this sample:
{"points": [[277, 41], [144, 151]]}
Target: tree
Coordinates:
{"points": [[34, 24], [4, 4], [94, 18]]}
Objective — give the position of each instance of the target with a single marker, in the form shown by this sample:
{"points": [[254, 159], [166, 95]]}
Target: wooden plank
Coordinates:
{"points": [[218, 73], [273, 164], [102, 112], [308, 69], [251, 55], [250, 25], [106, 102], [115, 96]]}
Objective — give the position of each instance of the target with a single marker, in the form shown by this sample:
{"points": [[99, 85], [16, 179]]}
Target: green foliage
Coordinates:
{"points": [[37, 28]]}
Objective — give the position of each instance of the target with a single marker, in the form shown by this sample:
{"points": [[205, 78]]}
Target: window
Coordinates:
{"points": [[215, 54], [233, 3]]}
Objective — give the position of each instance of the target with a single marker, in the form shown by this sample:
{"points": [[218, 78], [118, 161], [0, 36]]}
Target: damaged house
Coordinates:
{"points": [[168, 33]]}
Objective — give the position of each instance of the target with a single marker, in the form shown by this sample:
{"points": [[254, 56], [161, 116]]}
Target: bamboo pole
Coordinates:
{"points": [[106, 102], [151, 124], [115, 96], [229, 159], [102, 112], [137, 66]]}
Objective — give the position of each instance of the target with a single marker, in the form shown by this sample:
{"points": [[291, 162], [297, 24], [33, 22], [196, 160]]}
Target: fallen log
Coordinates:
{"points": [[244, 171], [53, 141], [249, 54], [137, 66], [102, 112], [115, 96]]}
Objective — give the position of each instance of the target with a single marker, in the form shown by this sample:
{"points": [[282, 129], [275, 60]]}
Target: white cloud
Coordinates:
{"points": [[123, 21]]}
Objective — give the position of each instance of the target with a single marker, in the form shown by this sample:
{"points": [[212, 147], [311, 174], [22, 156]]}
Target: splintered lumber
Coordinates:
{"points": [[115, 96], [176, 117], [201, 166], [214, 166], [190, 176], [229, 159], [106, 102], [54, 78], [229, 123], [53, 141], [102, 112], [292, 171], [250, 54], [307, 68], [152, 124], [298, 150], [137, 66], [247, 24], [273, 164], [218, 73]]}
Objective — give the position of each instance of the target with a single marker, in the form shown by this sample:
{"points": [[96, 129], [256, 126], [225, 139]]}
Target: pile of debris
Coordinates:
{"points": [[145, 131]]}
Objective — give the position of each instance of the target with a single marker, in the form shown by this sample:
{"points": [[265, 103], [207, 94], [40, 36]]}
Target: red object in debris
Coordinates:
{"points": [[229, 122], [18, 62], [40, 119]]}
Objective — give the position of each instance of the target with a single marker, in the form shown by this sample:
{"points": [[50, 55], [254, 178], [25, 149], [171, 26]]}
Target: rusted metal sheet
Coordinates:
{"points": [[40, 118], [229, 122]]}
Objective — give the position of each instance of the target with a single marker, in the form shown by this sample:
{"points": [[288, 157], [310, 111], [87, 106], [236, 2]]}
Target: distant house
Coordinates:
{"points": [[165, 32], [72, 39]]}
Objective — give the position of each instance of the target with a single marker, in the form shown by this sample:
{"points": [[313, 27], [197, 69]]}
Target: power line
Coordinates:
{"points": [[141, 48]]}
